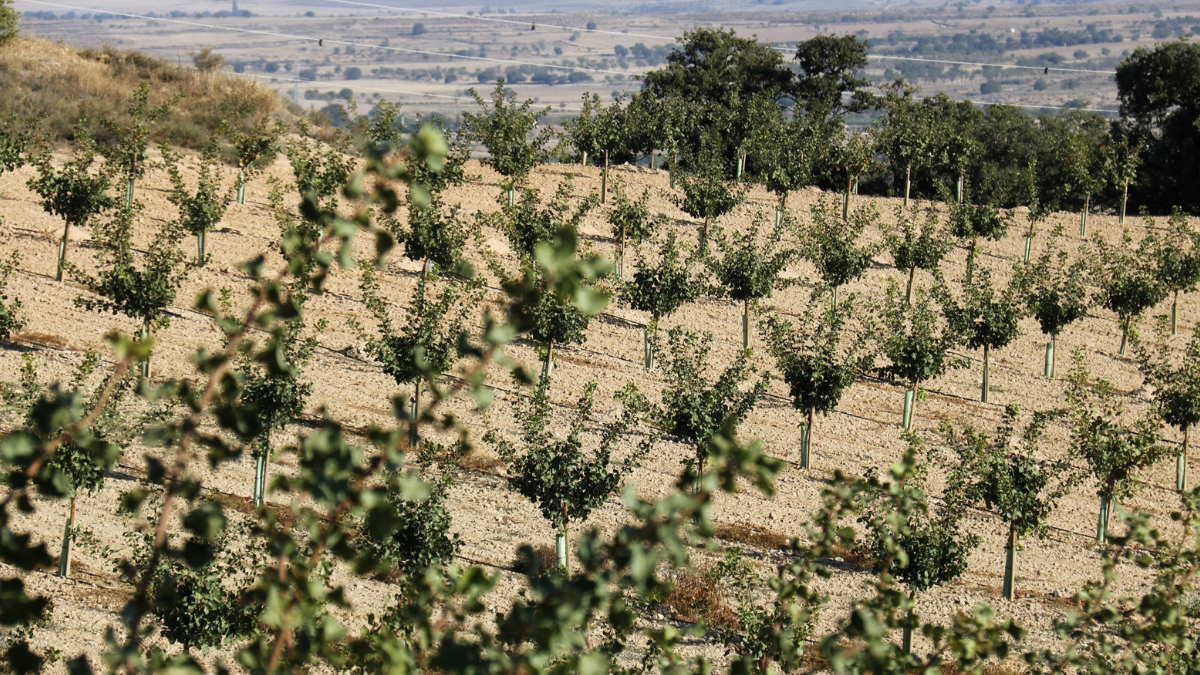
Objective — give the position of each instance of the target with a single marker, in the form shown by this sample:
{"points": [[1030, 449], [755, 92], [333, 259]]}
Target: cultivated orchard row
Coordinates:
{"points": [[258, 575]]}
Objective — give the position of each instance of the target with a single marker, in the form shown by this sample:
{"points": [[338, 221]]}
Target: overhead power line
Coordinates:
{"points": [[993, 65], [499, 20], [403, 92], [331, 41]]}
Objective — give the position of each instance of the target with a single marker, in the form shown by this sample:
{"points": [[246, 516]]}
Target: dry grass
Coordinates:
{"points": [[543, 553], [481, 464], [742, 532], [38, 77], [699, 596]]}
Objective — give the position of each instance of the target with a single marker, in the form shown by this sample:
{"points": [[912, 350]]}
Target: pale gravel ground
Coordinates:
{"points": [[492, 520]]}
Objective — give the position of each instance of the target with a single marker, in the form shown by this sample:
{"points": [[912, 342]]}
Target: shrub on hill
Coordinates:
{"points": [[96, 83]]}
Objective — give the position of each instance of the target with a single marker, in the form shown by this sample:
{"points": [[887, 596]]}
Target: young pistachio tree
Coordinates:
{"points": [[661, 288], [912, 248], [526, 224], [1176, 258], [1055, 292], [915, 341], [1006, 472], [1176, 387], [906, 133], [815, 363], [695, 408], [747, 271], [556, 472], [970, 222], [428, 339], [1114, 441], [1127, 282], [122, 284], [851, 157], [785, 163], [919, 546], [11, 319], [1038, 209], [321, 169], [200, 210], [434, 176], [830, 245], [254, 144], [273, 391], [600, 131], [631, 221], [707, 194], [507, 130], [384, 134], [987, 318], [72, 192], [83, 462], [16, 138], [127, 145], [554, 318], [436, 234], [1122, 159]]}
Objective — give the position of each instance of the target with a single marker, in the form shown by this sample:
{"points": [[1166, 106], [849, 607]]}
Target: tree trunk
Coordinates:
{"points": [[910, 396], [912, 272], [1087, 201], [1010, 561], [241, 187], [907, 183], [746, 323], [1174, 309], [413, 432], [260, 471], [1124, 200], [1102, 525], [971, 261], [846, 200], [620, 252], [64, 560], [1050, 356], [806, 440], [1181, 463], [983, 394], [62, 251], [908, 627], [1124, 334], [560, 549], [604, 180], [146, 336], [648, 347], [704, 236], [548, 366]]}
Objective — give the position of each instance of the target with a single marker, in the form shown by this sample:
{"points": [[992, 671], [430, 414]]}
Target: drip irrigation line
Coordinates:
{"points": [[332, 41]]}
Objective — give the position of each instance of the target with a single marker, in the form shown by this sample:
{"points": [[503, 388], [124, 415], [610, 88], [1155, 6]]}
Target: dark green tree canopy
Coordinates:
{"points": [[714, 64], [829, 67]]}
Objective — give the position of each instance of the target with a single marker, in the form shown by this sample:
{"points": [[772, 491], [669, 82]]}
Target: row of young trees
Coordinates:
{"points": [[374, 509]]}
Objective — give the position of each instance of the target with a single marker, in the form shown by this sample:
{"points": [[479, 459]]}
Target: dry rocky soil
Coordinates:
{"points": [[493, 520]]}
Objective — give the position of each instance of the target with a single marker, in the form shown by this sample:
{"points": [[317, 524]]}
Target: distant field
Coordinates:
{"points": [[363, 47]]}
